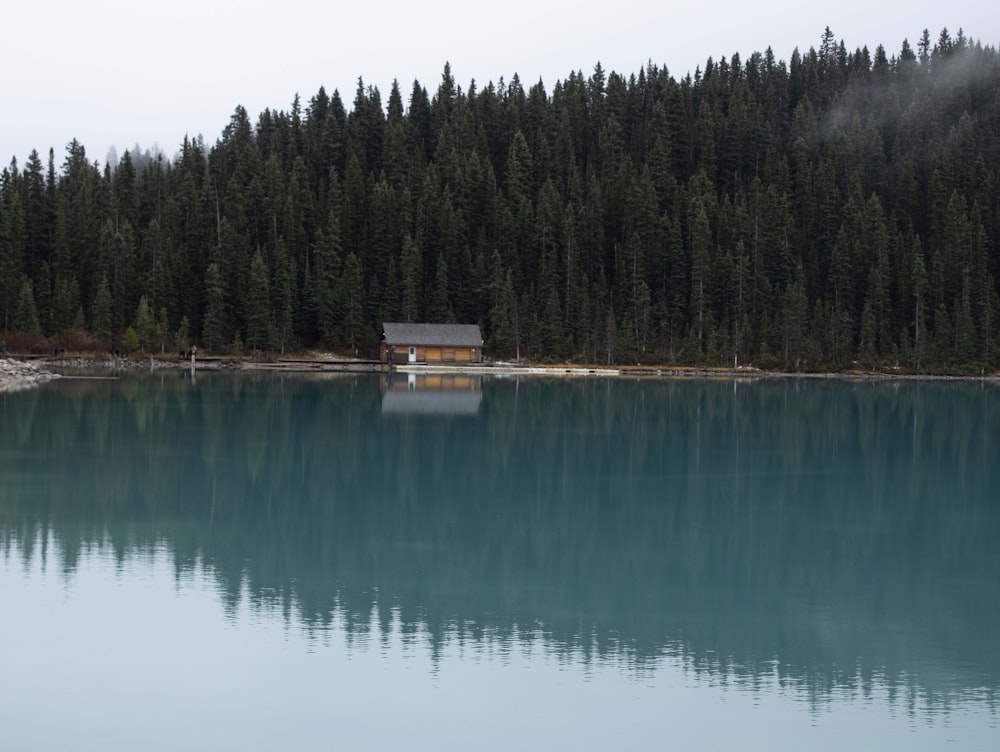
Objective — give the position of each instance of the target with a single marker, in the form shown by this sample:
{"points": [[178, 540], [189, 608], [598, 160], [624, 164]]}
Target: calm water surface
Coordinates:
{"points": [[250, 563]]}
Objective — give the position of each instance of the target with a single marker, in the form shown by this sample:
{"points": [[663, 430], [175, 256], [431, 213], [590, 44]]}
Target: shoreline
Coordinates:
{"points": [[685, 372], [19, 373]]}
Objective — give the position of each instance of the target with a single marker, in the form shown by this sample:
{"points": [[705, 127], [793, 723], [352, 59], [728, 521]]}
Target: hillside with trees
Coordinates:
{"points": [[841, 209]]}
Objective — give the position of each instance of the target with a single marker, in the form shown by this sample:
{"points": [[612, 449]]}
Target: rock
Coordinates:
{"points": [[16, 375]]}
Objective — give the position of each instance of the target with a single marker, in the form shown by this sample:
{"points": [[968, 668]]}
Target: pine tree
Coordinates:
{"points": [[353, 295], [145, 324], [130, 340], [12, 243], [867, 354], [795, 316], [259, 325], [965, 330], [216, 327], [553, 339], [26, 316], [411, 268], [701, 239], [283, 298], [919, 276], [182, 337], [440, 307], [329, 305], [163, 331], [100, 314], [66, 301], [842, 321]]}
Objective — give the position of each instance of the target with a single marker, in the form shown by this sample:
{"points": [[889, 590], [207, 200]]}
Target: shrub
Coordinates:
{"points": [[80, 341], [130, 342]]}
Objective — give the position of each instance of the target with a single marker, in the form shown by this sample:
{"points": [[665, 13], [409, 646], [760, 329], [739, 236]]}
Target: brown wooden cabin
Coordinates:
{"points": [[431, 343]]}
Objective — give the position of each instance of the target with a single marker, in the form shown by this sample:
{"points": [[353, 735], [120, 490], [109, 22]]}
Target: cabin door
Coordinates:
{"points": [[413, 355]]}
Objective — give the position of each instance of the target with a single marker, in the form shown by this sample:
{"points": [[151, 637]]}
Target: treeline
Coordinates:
{"points": [[840, 208]]}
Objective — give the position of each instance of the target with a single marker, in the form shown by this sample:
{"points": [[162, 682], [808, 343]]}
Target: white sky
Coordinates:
{"points": [[121, 72]]}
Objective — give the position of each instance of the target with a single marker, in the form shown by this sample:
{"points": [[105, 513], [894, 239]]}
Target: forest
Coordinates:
{"points": [[837, 211]]}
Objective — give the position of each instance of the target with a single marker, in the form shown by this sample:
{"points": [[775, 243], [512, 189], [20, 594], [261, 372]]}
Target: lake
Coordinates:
{"points": [[239, 562]]}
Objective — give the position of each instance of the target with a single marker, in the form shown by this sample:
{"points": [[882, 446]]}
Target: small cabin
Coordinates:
{"points": [[431, 343]]}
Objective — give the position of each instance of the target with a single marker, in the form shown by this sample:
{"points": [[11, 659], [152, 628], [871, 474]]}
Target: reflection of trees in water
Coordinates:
{"points": [[819, 534]]}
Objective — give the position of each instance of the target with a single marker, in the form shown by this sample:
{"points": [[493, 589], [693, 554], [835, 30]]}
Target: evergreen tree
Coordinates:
{"points": [[66, 301], [553, 345], [12, 242], [965, 331], [215, 330], [183, 335], [411, 267], [259, 325], [145, 325], [130, 340], [26, 317], [100, 314], [329, 306], [795, 315], [283, 298], [440, 308], [163, 335], [353, 295], [919, 276], [701, 241]]}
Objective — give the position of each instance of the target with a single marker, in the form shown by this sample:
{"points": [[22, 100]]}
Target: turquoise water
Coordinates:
{"points": [[260, 563]]}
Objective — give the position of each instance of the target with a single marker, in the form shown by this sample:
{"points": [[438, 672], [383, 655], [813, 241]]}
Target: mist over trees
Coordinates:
{"points": [[840, 208]]}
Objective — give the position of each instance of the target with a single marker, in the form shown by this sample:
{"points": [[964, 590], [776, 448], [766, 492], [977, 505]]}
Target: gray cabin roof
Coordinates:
{"points": [[434, 335]]}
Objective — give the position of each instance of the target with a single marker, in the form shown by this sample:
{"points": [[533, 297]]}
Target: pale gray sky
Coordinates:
{"points": [[118, 72]]}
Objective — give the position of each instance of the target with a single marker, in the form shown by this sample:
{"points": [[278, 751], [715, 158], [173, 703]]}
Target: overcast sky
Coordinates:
{"points": [[117, 72]]}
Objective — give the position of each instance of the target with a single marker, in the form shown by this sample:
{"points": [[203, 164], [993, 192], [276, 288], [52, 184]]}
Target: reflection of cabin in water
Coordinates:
{"points": [[431, 394], [431, 343]]}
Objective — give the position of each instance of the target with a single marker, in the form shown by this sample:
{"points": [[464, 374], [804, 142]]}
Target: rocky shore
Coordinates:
{"points": [[116, 364], [16, 375]]}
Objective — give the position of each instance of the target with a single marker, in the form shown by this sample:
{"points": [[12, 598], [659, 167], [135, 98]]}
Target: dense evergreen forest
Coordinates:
{"points": [[839, 209]]}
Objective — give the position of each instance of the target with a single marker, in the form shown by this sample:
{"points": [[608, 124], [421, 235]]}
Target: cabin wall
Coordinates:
{"points": [[431, 354]]}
